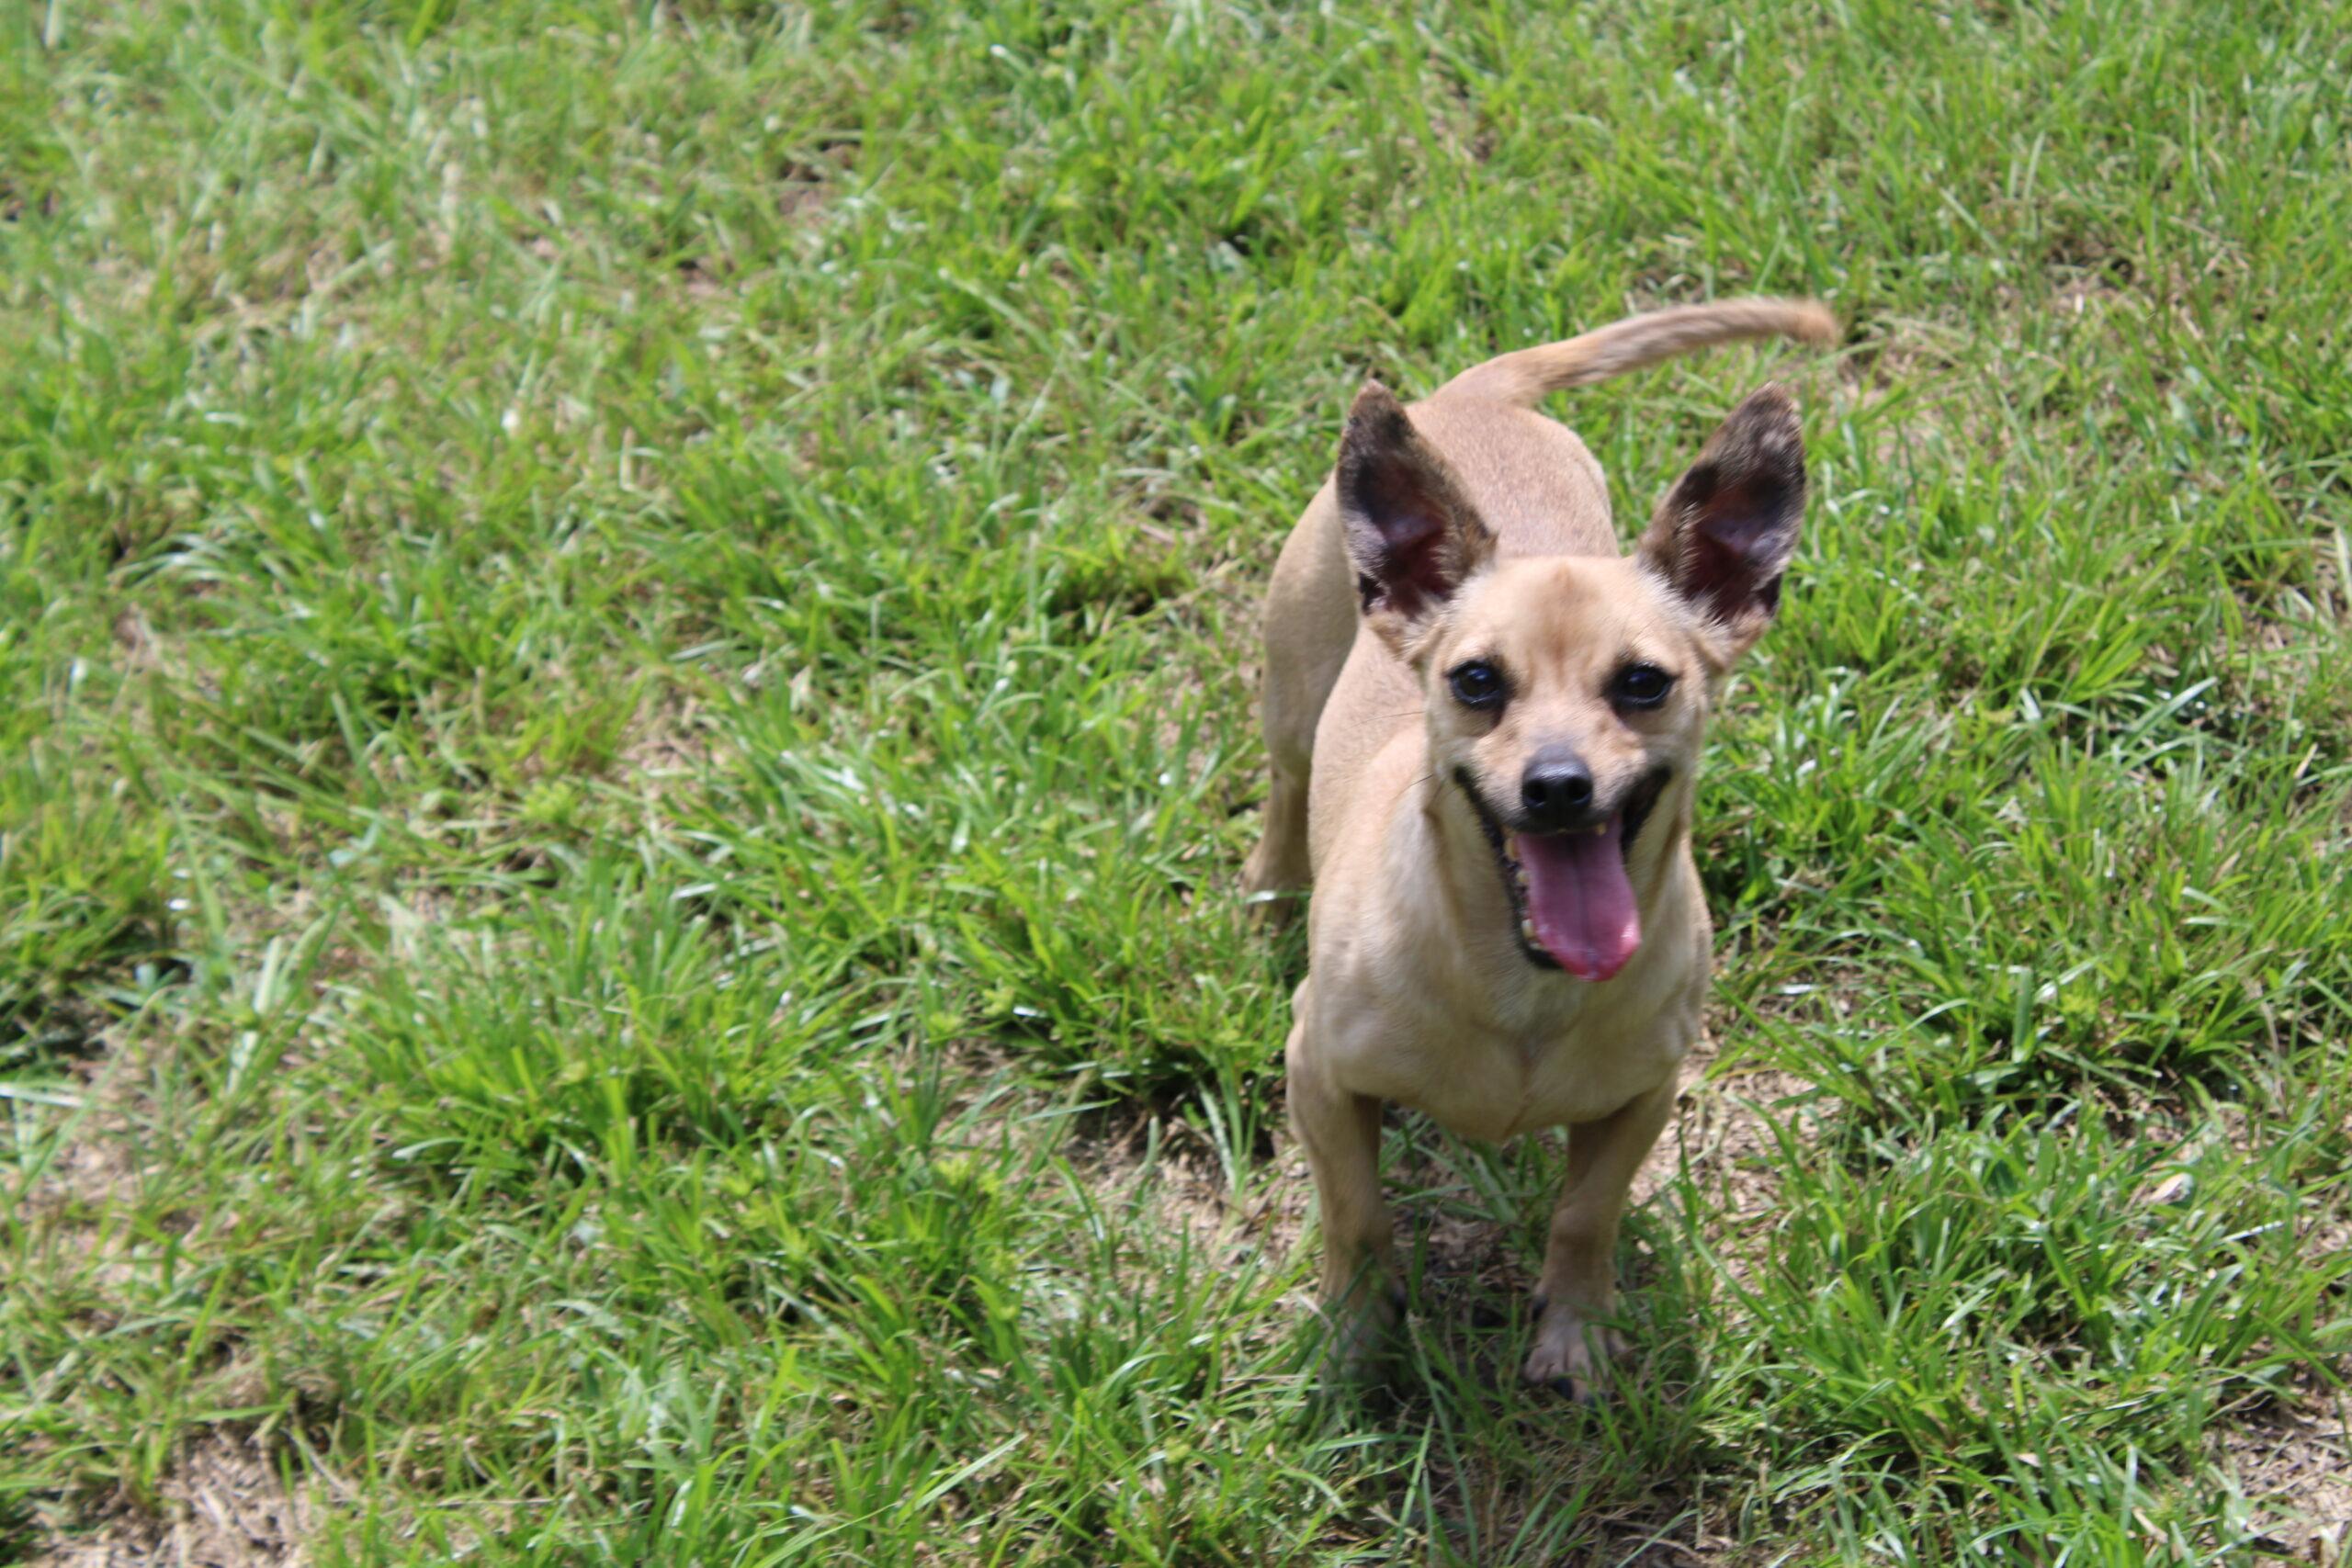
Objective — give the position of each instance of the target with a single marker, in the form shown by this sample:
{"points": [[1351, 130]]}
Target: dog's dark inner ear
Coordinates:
{"points": [[1724, 534], [1411, 536]]}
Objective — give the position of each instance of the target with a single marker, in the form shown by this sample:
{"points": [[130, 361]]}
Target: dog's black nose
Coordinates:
{"points": [[1555, 789]]}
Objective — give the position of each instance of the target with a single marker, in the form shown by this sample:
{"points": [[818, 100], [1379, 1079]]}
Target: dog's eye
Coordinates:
{"points": [[1476, 685], [1643, 686]]}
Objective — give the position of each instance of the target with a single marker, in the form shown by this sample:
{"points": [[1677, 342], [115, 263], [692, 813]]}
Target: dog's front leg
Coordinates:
{"points": [[1341, 1133], [1579, 1285]]}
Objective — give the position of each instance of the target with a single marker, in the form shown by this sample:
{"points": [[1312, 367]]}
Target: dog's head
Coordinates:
{"points": [[1565, 694]]}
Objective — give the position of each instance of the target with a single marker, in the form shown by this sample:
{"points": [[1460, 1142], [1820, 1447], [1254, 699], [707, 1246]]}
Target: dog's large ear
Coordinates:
{"points": [[1725, 532], [1412, 536]]}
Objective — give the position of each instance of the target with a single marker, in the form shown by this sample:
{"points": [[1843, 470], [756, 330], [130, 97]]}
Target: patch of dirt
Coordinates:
{"points": [[2090, 289], [141, 651], [221, 1502], [93, 1173], [1724, 1132], [2295, 1462], [1662, 1527], [804, 201], [1182, 1184], [668, 739], [221, 1505]]}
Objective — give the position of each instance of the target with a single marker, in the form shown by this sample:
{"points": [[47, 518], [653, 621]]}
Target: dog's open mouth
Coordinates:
{"points": [[1570, 897]]}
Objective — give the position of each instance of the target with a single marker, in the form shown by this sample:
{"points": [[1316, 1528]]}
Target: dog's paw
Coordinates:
{"points": [[1278, 865], [1275, 912], [1571, 1356], [1274, 892], [1357, 1333]]}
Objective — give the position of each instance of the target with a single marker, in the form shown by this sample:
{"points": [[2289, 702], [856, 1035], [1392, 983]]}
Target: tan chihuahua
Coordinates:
{"points": [[1485, 727]]}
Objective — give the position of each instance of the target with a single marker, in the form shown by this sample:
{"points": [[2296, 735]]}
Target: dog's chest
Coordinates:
{"points": [[1494, 1079]]}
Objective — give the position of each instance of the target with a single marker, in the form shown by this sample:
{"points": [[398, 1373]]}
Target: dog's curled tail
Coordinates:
{"points": [[1527, 375]]}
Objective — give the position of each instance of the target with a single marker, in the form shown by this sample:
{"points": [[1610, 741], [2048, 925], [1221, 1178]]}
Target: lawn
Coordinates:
{"points": [[627, 662]]}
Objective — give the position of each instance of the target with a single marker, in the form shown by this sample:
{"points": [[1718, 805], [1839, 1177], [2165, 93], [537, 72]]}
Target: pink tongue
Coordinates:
{"points": [[1579, 900]]}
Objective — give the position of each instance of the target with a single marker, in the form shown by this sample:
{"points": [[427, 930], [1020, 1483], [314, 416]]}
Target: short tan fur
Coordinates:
{"points": [[1485, 727]]}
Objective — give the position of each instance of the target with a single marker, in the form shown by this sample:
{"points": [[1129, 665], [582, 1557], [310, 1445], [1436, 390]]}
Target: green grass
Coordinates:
{"points": [[626, 643]]}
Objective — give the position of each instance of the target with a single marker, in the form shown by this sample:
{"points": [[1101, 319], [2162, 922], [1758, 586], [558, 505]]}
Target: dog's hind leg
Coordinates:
{"points": [[1362, 1299], [1579, 1285], [1310, 624]]}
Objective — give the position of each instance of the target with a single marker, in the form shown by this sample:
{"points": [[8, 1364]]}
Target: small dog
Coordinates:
{"points": [[1485, 730]]}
